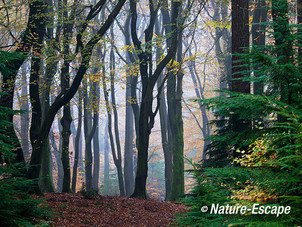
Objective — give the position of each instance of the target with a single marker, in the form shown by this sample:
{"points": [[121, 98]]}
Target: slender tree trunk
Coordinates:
{"points": [[87, 132], [129, 136], [96, 142], [163, 122], [258, 37], [106, 158], [25, 116], [115, 143], [131, 114], [77, 142], [174, 95], [199, 91]]}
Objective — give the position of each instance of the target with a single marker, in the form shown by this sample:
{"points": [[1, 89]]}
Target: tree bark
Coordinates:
{"points": [[258, 37], [106, 158], [77, 142], [174, 96], [240, 43], [25, 116], [96, 143]]}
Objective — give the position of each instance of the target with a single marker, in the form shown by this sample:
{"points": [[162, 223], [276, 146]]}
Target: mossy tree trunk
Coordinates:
{"points": [[174, 96]]}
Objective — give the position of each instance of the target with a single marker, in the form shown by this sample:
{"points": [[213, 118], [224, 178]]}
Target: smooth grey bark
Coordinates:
{"points": [[106, 156], [223, 43], [56, 151], [90, 124], [25, 115], [129, 121], [78, 138], [129, 144]]}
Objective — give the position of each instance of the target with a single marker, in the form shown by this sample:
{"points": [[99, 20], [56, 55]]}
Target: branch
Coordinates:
{"points": [[64, 97]]}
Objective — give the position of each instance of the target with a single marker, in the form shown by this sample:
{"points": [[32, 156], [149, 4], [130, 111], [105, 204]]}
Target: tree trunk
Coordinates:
{"points": [[166, 144], [258, 37], [96, 142], [174, 96], [31, 41], [131, 114], [106, 158], [240, 40], [240, 43], [87, 132], [115, 143], [45, 183], [77, 142], [25, 116], [129, 137]]}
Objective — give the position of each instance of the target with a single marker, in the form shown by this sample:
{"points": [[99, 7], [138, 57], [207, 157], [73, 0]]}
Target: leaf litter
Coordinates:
{"points": [[74, 210]]}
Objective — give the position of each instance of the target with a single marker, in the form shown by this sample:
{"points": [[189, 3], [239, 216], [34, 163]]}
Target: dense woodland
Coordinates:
{"points": [[197, 101]]}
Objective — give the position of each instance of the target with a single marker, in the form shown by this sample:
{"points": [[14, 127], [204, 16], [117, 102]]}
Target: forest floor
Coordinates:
{"points": [[74, 210]]}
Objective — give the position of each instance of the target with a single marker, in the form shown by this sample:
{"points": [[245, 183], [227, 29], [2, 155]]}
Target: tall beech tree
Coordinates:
{"points": [[78, 147], [149, 77], [129, 120], [174, 97], [40, 133], [90, 125]]}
